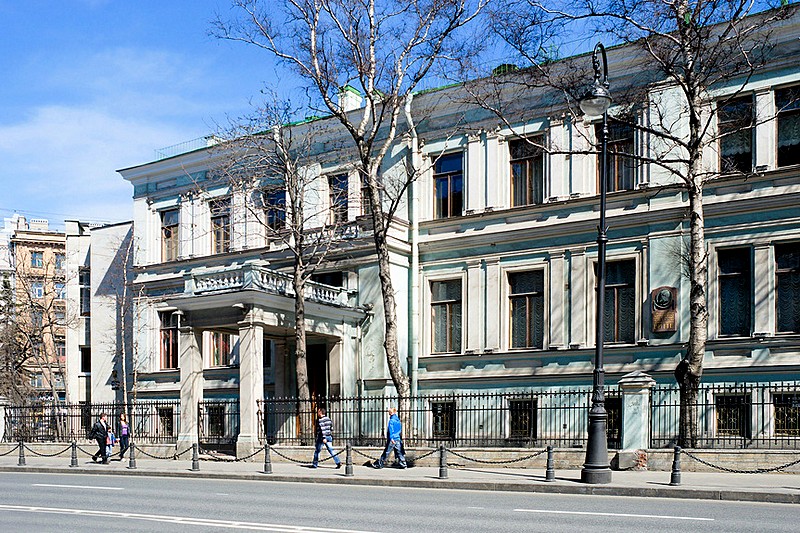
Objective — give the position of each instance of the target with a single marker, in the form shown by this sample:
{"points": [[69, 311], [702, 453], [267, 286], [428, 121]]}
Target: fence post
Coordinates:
{"points": [[267, 459], [195, 458], [132, 456], [73, 461], [348, 461], [549, 472], [675, 477], [442, 462], [21, 453]]}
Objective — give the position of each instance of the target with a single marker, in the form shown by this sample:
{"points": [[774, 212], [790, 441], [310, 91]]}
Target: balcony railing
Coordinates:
{"points": [[264, 279]]}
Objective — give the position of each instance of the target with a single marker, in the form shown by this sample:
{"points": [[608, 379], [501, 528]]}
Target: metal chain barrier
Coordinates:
{"points": [[170, 457], [9, 452], [511, 461], [735, 471], [91, 454], [279, 454], [365, 455], [69, 447], [424, 455]]}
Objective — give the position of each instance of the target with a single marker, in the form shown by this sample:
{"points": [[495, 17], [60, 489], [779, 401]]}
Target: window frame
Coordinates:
{"points": [[220, 352], [450, 177], [721, 303], [509, 296], [338, 198], [792, 110], [527, 162], [37, 259], [170, 234], [448, 305], [168, 340], [221, 224], [591, 300], [783, 272], [616, 159], [724, 166]]}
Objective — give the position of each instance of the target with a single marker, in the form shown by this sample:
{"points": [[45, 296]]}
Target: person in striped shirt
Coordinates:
{"points": [[324, 436]]}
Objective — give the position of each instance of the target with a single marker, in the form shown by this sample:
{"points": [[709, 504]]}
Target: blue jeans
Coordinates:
{"points": [[328, 442], [397, 446]]}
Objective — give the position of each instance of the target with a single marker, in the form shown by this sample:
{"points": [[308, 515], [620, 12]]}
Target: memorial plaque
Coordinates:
{"points": [[664, 305]]}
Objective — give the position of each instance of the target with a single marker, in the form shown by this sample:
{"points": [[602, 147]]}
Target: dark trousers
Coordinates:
{"points": [[124, 444], [101, 452]]}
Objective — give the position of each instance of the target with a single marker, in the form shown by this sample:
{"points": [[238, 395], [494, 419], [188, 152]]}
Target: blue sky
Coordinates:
{"points": [[91, 86]]}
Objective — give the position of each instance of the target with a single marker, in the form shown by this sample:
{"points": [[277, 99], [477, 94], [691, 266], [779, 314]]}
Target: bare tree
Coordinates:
{"points": [[386, 50], [269, 160], [680, 52]]}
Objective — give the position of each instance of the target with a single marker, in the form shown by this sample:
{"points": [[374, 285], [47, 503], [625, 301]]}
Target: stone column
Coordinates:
{"points": [[251, 383], [557, 300], [473, 322], [191, 368], [577, 298], [474, 177], [636, 410], [764, 290], [493, 304]]}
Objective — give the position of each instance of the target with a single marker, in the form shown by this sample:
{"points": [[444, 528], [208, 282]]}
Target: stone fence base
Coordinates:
{"points": [[564, 458]]}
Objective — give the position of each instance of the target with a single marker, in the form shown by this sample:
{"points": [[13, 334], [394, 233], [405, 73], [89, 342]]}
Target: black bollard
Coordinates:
{"points": [[21, 454], [132, 457], [195, 458], [73, 461], [549, 471], [348, 461], [442, 462], [675, 477], [267, 459]]}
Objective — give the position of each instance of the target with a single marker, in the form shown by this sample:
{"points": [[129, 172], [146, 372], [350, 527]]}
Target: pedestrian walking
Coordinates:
{"points": [[124, 436], [394, 441], [111, 439], [99, 433], [324, 436]]}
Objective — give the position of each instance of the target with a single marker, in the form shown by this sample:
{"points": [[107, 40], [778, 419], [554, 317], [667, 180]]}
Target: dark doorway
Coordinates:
{"points": [[317, 361]]}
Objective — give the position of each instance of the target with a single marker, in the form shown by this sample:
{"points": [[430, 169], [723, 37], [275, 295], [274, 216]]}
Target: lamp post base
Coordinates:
{"points": [[596, 476]]}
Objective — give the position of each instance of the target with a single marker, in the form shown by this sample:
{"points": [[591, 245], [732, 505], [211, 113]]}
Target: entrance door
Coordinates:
{"points": [[317, 360]]}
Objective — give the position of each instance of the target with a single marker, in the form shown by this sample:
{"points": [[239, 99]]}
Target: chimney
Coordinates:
{"points": [[349, 98]]}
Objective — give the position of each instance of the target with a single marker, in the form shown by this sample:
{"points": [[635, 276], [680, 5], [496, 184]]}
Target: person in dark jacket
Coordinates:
{"points": [[324, 436], [100, 433], [124, 436], [394, 441]]}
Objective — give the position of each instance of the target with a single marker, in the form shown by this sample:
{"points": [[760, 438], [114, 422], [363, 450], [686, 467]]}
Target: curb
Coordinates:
{"points": [[434, 483]]}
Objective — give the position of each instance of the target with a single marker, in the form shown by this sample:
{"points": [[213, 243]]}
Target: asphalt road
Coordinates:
{"points": [[42, 503]]}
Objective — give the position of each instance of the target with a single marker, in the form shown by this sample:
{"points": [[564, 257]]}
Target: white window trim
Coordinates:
{"points": [[591, 299], [505, 313], [427, 329]]}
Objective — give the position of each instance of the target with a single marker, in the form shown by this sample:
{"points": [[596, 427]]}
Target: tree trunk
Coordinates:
{"points": [[301, 362], [690, 369]]}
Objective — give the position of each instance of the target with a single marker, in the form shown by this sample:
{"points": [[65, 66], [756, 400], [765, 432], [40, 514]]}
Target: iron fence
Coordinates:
{"points": [[762, 416], [150, 421], [526, 419]]}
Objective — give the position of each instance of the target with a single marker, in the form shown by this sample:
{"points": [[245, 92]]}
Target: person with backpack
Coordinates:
{"points": [[99, 433], [324, 436]]}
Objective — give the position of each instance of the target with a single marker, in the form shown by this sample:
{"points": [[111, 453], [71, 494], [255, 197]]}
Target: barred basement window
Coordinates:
{"points": [[166, 421], [735, 291], [733, 415], [444, 420], [787, 414], [216, 420], [522, 420]]}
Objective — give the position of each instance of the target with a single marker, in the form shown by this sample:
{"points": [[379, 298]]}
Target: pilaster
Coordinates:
{"points": [[764, 289], [493, 306], [557, 300], [251, 383], [190, 361], [577, 298], [475, 306], [635, 389]]}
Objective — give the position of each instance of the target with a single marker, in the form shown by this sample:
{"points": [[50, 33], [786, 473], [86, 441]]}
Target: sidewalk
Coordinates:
{"points": [[776, 488]]}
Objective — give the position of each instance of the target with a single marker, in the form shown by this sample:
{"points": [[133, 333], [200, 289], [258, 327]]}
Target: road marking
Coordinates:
{"points": [[222, 494], [624, 515], [184, 520], [474, 507], [76, 486]]}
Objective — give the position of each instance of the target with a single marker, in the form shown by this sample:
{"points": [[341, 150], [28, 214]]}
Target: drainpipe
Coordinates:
{"points": [[413, 215]]}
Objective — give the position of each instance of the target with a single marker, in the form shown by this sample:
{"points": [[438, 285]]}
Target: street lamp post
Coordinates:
{"points": [[596, 102]]}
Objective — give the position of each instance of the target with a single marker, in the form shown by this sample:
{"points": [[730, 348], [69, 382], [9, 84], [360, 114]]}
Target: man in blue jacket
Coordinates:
{"points": [[394, 441]]}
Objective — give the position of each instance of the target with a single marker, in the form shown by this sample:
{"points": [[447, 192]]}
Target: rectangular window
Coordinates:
{"points": [[267, 352], [37, 259], [60, 314], [735, 291], [787, 287], [61, 291], [61, 350], [613, 421], [787, 414], [735, 119], [733, 415], [84, 284], [366, 202], [220, 225], [619, 321], [37, 289], [527, 171], [522, 420], [220, 348], [86, 359], [216, 420], [446, 316], [275, 207], [337, 192], [169, 235], [166, 422], [444, 420], [448, 182], [621, 160], [526, 299], [60, 261], [787, 104], [335, 279], [169, 340]]}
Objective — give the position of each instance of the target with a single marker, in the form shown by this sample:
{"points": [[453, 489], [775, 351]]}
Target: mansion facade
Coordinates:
{"points": [[493, 255]]}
